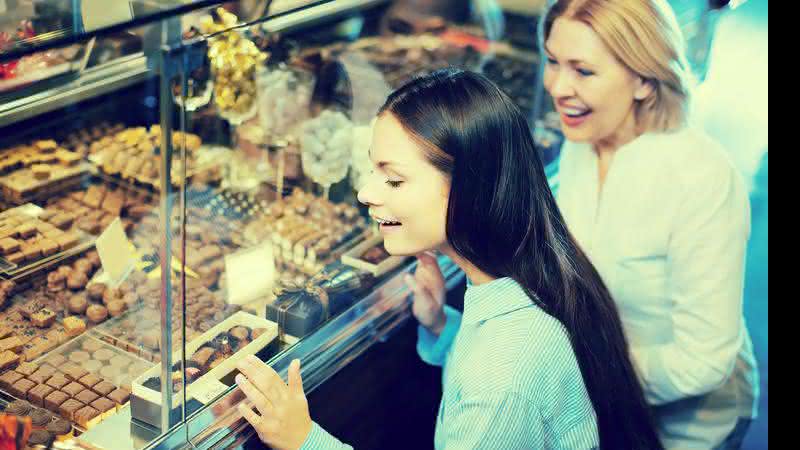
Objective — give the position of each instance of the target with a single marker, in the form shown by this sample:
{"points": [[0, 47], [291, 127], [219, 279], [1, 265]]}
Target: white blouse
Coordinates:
{"points": [[668, 233]]}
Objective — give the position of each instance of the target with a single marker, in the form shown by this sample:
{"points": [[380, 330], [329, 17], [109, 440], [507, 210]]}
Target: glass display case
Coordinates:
{"points": [[190, 199]]}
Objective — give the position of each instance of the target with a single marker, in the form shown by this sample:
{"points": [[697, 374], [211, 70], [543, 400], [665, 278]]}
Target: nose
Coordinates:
{"points": [[560, 84], [368, 194]]}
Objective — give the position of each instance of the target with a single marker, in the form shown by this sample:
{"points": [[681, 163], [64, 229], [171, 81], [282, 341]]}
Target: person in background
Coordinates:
{"points": [[659, 208]]}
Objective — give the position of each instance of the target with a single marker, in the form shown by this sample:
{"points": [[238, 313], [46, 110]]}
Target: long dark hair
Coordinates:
{"points": [[503, 219]]}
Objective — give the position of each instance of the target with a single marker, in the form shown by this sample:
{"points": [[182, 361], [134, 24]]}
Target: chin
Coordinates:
{"points": [[576, 135], [400, 247]]}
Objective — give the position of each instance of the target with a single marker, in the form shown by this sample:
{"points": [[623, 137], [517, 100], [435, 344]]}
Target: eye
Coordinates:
{"points": [[394, 184], [552, 61], [585, 72]]}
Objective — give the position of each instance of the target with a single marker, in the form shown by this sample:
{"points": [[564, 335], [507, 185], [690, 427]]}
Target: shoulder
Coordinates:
{"points": [[692, 155]]}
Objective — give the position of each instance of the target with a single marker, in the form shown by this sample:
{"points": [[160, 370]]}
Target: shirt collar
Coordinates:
{"points": [[488, 300]]}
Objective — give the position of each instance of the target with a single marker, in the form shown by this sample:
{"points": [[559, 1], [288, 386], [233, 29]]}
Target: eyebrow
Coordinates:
{"points": [[571, 61], [383, 164]]}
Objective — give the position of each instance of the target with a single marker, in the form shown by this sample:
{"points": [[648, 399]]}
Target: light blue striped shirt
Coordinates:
{"points": [[511, 379]]}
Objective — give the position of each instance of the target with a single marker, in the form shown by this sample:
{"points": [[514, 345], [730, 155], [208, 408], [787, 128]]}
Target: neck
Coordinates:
{"points": [[623, 135], [475, 275]]}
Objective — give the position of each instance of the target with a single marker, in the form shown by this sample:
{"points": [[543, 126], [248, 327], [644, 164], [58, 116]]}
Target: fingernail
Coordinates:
{"points": [[296, 363], [239, 379]]}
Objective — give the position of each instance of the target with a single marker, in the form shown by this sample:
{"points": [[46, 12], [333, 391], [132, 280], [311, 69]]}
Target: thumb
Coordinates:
{"points": [[295, 379], [412, 283]]}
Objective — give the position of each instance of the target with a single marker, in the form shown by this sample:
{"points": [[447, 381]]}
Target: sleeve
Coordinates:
{"points": [[433, 349], [319, 439], [705, 261]]}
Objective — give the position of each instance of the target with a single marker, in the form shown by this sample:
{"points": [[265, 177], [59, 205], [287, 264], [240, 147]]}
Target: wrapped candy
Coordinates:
{"points": [[234, 60], [283, 99]]}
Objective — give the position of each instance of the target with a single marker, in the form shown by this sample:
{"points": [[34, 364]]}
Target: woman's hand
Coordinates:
{"points": [[429, 293], [283, 421]]}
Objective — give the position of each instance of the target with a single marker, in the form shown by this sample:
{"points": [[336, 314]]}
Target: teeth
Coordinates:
{"points": [[574, 111], [386, 222]]}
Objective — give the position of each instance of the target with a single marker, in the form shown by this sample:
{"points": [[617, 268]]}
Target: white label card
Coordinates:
{"points": [[208, 391], [116, 253], [250, 273], [98, 14]]}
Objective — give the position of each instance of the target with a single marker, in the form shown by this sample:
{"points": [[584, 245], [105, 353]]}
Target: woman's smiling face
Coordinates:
{"points": [[405, 193]]}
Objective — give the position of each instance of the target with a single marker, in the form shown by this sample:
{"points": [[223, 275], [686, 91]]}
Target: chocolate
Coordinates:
{"points": [[116, 308], [27, 368], [78, 304], [49, 247], [67, 241], [20, 388], [77, 280], [240, 332], [103, 354], [110, 372], [86, 396], [86, 417], [62, 221], [73, 389], [120, 396], [74, 326], [110, 295], [64, 271], [89, 380], [97, 313], [96, 291], [59, 427], [40, 418], [69, 407], [104, 387], [258, 332], [91, 345], [79, 357], [74, 372], [54, 401], [57, 381], [41, 376], [103, 405], [19, 408], [83, 265], [203, 355], [9, 378], [94, 258], [43, 319], [37, 395], [93, 366], [41, 437], [56, 360]]}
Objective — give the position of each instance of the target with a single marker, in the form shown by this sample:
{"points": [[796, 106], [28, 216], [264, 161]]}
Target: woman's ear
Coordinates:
{"points": [[644, 89]]}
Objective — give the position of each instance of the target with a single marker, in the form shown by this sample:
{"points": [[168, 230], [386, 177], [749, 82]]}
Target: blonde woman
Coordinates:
{"points": [[659, 209]]}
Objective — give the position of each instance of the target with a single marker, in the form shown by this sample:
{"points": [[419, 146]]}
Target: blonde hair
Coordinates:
{"points": [[645, 37]]}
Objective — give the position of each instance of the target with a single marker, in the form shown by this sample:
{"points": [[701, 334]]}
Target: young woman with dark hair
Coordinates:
{"points": [[539, 358]]}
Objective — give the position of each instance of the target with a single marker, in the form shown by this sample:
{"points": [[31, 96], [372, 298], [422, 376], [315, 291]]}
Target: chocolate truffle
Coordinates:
{"points": [[116, 308], [96, 313], [41, 437], [96, 291], [40, 418], [60, 428], [77, 280], [83, 265], [78, 304], [19, 408]]}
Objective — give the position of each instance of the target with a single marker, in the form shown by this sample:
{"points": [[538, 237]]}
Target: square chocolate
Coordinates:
{"points": [[53, 401], [86, 396], [89, 380], [104, 388], [57, 360], [86, 417], [57, 381], [69, 407], [73, 388], [39, 393], [41, 376], [21, 387], [9, 378], [74, 372], [103, 405], [120, 396]]}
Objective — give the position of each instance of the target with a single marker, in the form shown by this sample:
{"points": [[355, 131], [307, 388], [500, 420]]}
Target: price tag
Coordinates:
{"points": [[98, 14], [116, 253], [208, 391], [250, 273]]}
